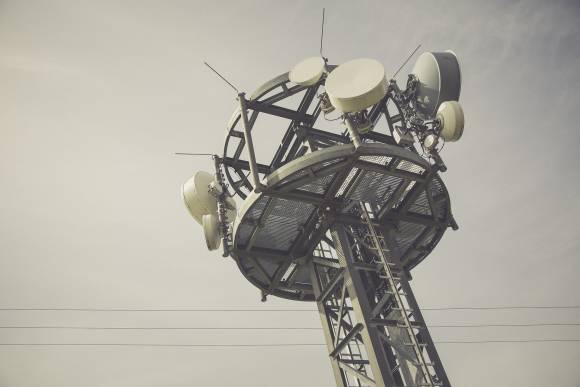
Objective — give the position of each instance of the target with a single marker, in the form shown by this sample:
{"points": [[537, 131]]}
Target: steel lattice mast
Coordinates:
{"points": [[340, 217], [374, 329]]}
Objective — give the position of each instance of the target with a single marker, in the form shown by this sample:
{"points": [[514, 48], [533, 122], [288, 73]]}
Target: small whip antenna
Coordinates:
{"points": [[407, 60], [192, 154], [222, 77], [322, 36]]}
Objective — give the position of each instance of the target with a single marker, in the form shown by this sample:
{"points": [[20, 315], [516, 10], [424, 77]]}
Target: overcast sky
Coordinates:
{"points": [[95, 96]]}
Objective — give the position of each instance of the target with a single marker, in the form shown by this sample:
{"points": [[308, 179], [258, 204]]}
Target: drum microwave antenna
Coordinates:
{"points": [[339, 217]]}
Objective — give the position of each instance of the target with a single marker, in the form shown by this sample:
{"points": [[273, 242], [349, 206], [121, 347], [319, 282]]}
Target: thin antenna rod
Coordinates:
{"points": [[322, 35], [219, 75], [192, 154], [405, 62]]}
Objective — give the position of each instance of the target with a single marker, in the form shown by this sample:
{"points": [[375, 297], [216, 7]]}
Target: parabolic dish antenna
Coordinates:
{"points": [[450, 114], [356, 85], [307, 72], [439, 80], [211, 232], [196, 196]]}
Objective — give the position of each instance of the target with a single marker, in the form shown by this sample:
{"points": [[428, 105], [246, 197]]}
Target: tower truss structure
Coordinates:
{"points": [[339, 216]]}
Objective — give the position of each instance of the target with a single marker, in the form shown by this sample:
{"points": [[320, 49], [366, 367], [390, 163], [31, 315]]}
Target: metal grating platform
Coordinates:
{"points": [[278, 230]]}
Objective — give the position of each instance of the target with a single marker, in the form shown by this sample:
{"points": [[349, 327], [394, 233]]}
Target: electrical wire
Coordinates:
{"points": [[206, 310], [507, 341], [149, 310], [162, 328], [505, 307], [161, 345], [332, 119], [507, 325], [265, 345], [500, 325]]}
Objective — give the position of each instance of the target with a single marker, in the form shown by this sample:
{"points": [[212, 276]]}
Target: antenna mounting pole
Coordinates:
{"points": [[249, 143]]}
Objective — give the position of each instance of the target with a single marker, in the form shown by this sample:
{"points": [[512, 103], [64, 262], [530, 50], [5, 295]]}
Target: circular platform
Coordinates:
{"points": [[277, 230]]}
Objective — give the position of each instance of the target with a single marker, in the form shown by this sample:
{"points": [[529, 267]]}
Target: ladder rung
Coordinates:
{"points": [[426, 364], [399, 293], [396, 279], [397, 323], [412, 345], [354, 361], [410, 310], [388, 323]]}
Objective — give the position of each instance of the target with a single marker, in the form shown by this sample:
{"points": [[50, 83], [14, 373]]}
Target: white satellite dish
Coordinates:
{"points": [[356, 85], [307, 72], [450, 114], [439, 78], [196, 196], [211, 231]]}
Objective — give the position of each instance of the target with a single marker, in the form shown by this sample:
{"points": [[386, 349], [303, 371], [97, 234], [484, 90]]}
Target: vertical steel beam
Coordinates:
{"points": [[249, 143], [221, 206], [375, 349], [373, 327], [426, 337], [326, 322]]}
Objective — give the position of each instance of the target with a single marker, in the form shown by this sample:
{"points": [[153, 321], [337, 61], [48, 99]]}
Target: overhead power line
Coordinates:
{"points": [[151, 310], [276, 310], [502, 325], [161, 328], [508, 341], [505, 307], [263, 345], [161, 345]]}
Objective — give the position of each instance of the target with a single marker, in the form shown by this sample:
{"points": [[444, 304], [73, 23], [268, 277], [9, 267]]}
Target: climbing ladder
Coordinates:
{"points": [[374, 330]]}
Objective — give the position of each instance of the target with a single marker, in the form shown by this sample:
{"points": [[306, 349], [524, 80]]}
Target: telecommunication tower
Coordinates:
{"points": [[350, 202]]}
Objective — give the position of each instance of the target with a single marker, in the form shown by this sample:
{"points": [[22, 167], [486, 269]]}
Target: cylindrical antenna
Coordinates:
{"points": [[222, 77]]}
